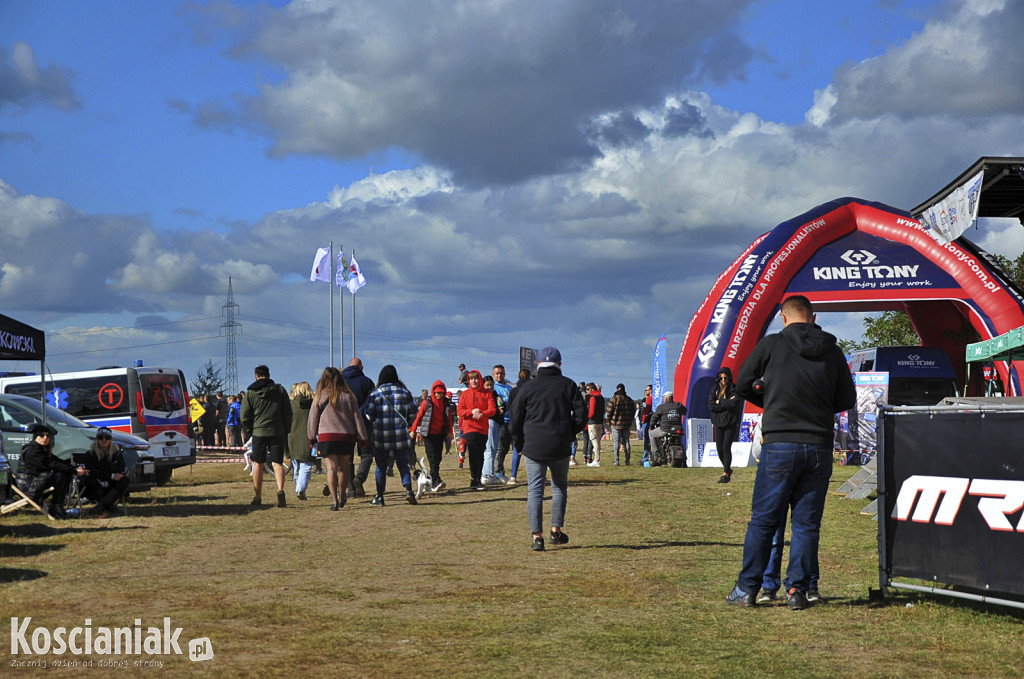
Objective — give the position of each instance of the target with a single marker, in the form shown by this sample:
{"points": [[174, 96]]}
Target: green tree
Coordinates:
{"points": [[1014, 269], [209, 380], [891, 329]]}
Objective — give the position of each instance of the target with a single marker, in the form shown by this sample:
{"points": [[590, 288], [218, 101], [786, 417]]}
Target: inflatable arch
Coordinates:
{"points": [[849, 255]]}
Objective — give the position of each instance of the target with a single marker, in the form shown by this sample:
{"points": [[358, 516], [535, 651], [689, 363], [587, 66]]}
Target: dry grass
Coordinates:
{"points": [[450, 586]]}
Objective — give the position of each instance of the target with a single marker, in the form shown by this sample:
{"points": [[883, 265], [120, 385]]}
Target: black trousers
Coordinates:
{"points": [[433, 445], [724, 438], [475, 445], [108, 496]]}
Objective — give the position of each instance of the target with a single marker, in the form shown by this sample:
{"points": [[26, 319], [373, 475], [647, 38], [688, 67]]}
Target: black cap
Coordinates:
{"points": [[40, 428]]}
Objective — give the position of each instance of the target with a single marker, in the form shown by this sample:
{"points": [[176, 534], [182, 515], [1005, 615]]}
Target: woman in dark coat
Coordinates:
{"points": [[725, 408], [39, 469]]}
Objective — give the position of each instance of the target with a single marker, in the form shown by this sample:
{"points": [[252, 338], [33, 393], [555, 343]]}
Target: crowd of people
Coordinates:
{"points": [[798, 376]]}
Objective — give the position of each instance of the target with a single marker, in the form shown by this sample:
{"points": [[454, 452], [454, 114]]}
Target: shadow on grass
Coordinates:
{"points": [[658, 545], [190, 510], [174, 499], [47, 530], [20, 575], [600, 482], [23, 550]]}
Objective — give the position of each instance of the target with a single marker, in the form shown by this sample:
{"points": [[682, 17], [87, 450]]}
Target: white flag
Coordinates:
{"points": [[321, 266], [341, 277], [355, 276], [955, 213]]}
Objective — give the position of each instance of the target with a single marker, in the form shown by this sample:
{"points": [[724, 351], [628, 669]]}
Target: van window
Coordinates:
{"points": [[85, 397], [919, 391], [161, 392]]}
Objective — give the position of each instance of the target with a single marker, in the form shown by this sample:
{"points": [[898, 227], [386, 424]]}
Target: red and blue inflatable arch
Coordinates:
{"points": [[849, 255]]}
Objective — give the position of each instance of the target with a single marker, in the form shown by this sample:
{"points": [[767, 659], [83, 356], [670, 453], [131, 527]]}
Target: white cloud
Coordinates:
{"points": [[24, 83], [966, 63]]}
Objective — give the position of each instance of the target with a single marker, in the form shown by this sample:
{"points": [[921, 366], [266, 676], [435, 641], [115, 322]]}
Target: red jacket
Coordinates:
{"points": [[472, 399], [439, 420]]}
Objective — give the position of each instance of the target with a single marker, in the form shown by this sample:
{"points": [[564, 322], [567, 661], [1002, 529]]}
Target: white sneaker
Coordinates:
{"points": [[572, 462], [439, 487], [511, 481], [593, 464], [491, 481]]}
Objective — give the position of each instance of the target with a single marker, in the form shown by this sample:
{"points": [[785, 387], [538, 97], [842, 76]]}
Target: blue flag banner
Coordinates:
{"points": [[659, 372]]}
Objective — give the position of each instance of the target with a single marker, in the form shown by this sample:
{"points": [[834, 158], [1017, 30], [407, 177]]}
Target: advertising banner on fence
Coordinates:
{"points": [[954, 493], [872, 391]]}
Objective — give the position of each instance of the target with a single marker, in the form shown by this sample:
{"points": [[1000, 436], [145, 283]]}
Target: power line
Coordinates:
{"points": [[98, 331], [133, 346]]}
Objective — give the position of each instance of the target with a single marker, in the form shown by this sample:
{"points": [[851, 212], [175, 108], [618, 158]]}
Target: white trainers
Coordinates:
{"points": [[439, 487], [491, 481], [572, 462], [594, 464], [511, 481]]}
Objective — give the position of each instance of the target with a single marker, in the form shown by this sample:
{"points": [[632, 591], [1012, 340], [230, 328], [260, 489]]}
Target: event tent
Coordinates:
{"points": [[21, 342], [1006, 347]]}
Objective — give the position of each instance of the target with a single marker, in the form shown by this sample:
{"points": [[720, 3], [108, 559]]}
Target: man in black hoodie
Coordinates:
{"points": [[361, 387], [801, 379], [547, 413]]}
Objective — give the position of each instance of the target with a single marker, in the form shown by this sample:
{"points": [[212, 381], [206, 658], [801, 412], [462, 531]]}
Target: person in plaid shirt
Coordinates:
{"points": [[391, 410]]}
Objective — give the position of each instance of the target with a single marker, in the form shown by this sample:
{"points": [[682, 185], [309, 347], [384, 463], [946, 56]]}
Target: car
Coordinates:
{"points": [[5, 478], [18, 414]]}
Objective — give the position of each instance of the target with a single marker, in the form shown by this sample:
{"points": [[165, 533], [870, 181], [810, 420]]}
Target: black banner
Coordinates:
{"points": [[953, 491], [20, 342]]}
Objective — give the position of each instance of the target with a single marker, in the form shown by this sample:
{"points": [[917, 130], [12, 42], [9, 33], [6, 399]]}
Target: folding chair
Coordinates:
{"points": [[76, 501], [26, 501]]}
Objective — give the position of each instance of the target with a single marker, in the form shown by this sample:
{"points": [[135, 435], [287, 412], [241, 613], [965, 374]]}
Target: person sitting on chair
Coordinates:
{"points": [[106, 482], [39, 469]]}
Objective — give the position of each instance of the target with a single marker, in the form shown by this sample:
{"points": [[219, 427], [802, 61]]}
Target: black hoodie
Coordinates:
{"points": [[806, 382], [725, 412]]}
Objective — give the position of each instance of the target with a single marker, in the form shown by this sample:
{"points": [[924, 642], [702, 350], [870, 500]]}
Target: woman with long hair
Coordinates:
{"points": [[335, 425], [725, 409], [391, 410], [476, 406], [300, 452]]}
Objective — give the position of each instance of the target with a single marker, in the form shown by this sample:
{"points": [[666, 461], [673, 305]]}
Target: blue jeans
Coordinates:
{"points": [[793, 475], [620, 437], [381, 457], [515, 461], [773, 571], [536, 472], [301, 472], [491, 452]]}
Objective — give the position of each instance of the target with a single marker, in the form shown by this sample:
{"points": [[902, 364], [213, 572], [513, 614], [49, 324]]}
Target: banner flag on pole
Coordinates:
{"points": [[321, 266], [659, 372], [955, 213], [355, 278], [341, 277]]}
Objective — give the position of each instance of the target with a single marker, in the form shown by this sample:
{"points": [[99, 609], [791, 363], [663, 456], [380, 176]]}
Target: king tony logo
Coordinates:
{"points": [[858, 257], [707, 349]]}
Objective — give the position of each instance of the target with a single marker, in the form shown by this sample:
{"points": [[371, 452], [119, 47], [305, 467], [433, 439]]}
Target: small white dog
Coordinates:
{"points": [[424, 484]]}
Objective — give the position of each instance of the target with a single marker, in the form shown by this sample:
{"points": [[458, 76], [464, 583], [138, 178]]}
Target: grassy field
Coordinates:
{"points": [[451, 587]]}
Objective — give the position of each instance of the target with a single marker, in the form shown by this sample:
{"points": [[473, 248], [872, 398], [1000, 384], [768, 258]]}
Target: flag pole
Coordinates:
{"points": [[341, 309], [331, 326], [353, 315]]}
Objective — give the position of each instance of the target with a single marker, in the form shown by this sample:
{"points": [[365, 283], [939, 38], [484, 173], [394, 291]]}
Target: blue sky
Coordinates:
{"points": [[571, 173]]}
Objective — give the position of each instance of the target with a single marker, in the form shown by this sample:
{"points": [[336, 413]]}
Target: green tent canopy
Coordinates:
{"points": [[1006, 347]]}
